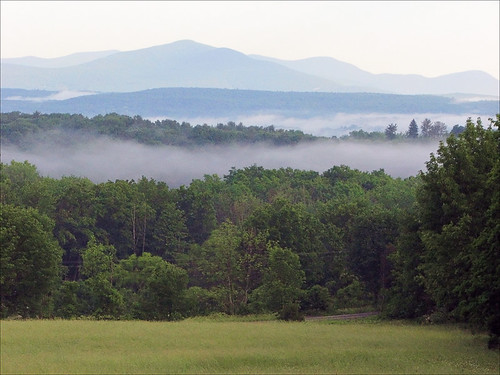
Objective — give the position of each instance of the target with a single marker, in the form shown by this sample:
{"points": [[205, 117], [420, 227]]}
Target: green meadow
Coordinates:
{"points": [[224, 346]]}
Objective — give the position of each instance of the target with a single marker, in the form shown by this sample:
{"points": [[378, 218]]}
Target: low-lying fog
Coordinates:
{"points": [[338, 124], [61, 95], [103, 159]]}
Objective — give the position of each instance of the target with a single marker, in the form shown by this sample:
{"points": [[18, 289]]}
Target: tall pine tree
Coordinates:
{"points": [[412, 129]]}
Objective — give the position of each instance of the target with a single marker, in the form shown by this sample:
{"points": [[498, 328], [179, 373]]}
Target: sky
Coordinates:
{"points": [[428, 38]]}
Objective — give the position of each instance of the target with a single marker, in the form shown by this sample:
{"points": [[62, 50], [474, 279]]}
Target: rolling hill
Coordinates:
{"points": [[204, 102]]}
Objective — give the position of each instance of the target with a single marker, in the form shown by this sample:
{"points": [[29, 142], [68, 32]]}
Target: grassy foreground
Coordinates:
{"points": [[204, 346]]}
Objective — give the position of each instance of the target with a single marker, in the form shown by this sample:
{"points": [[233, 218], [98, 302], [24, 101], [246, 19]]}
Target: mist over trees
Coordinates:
{"points": [[121, 147], [286, 241], [25, 130], [412, 129]]}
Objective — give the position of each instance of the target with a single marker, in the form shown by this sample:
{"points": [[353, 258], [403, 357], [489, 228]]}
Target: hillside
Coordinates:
{"points": [[198, 102]]}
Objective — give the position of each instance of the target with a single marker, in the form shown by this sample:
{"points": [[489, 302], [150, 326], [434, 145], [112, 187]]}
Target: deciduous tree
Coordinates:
{"points": [[459, 215], [283, 281], [390, 131], [30, 261]]}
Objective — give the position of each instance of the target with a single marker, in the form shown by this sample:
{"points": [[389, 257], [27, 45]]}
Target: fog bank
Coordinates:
{"points": [[335, 125], [61, 95], [103, 159]]}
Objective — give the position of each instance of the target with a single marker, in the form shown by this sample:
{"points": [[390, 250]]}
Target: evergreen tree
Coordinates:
{"points": [[412, 130]]}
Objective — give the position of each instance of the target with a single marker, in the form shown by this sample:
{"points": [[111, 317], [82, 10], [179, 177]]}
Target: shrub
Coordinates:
{"points": [[291, 311]]}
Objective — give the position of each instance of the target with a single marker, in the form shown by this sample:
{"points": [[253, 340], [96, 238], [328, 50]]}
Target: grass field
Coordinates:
{"points": [[209, 346]]}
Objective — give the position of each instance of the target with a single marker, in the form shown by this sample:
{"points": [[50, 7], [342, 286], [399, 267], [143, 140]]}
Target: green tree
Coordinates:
{"points": [[163, 297], [197, 202], [282, 285], [459, 215], [75, 219], [200, 301], [71, 300], [170, 232], [98, 259], [98, 268], [223, 264], [123, 215], [317, 299], [390, 131], [154, 289], [426, 128], [352, 294], [371, 235], [433, 130], [412, 130], [252, 261], [457, 129], [438, 130], [407, 297], [21, 185], [30, 261], [292, 226]]}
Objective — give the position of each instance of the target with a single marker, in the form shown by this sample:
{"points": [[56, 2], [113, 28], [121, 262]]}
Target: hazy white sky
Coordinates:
{"points": [[407, 37]]}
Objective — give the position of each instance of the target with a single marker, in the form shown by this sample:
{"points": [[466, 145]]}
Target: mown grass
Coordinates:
{"points": [[218, 346]]}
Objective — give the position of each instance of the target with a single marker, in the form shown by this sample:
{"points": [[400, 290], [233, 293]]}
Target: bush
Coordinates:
{"points": [[290, 311], [438, 316], [199, 301], [317, 298], [494, 328], [353, 295], [69, 300]]}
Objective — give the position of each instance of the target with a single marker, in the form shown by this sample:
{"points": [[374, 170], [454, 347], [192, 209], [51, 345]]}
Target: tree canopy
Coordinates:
{"points": [[285, 241]]}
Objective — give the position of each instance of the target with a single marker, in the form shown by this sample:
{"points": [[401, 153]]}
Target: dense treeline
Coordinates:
{"points": [[25, 129], [232, 238], [257, 240]]}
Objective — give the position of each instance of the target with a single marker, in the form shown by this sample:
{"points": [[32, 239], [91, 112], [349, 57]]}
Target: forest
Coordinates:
{"points": [[23, 130], [284, 241]]}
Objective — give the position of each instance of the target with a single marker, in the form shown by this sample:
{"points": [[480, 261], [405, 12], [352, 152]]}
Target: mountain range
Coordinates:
{"points": [[190, 64]]}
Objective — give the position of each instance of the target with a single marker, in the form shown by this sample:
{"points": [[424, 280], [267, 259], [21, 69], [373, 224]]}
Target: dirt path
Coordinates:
{"points": [[343, 316]]}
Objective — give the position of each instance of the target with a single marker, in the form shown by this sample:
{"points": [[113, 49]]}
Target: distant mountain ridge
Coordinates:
{"points": [[178, 64], [208, 102], [472, 82], [58, 62], [190, 64]]}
